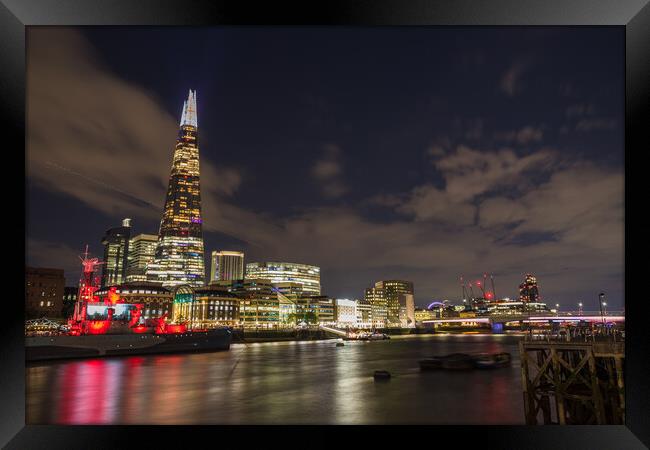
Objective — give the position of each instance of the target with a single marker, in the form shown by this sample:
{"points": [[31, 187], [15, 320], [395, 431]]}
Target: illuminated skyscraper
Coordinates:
{"points": [[116, 251], [528, 292], [227, 265], [179, 253], [142, 249]]}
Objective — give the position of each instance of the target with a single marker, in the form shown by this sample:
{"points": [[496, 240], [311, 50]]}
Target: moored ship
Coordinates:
{"points": [[113, 327]]}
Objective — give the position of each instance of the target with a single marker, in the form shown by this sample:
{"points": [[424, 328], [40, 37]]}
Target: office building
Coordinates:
{"points": [[116, 253], [226, 265], [346, 313], [142, 249], [406, 310], [281, 272], [179, 253], [528, 291]]}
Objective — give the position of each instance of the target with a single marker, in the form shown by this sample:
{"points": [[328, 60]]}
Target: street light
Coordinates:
{"points": [[605, 308], [580, 309], [557, 309]]}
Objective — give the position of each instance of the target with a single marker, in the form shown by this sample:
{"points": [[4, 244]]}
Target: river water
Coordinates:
{"points": [[308, 382]]}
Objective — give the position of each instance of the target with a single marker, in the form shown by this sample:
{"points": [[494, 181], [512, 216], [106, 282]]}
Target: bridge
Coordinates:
{"points": [[333, 330], [613, 317]]}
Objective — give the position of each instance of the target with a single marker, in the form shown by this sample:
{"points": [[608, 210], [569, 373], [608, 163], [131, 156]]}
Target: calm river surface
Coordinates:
{"points": [[309, 382]]}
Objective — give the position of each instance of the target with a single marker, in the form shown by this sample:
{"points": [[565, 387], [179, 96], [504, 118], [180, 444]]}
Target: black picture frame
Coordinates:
{"points": [[634, 15]]}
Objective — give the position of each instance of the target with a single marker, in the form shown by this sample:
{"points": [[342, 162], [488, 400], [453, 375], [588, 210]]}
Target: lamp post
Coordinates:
{"points": [[580, 309], [605, 308], [557, 309]]}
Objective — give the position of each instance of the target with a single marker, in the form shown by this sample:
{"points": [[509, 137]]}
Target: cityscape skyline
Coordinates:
{"points": [[357, 242]]}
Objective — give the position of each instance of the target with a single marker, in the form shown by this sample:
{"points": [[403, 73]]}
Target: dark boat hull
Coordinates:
{"points": [[42, 348]]}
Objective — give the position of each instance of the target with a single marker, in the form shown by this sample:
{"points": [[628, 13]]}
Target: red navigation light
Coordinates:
{"points": [[488, 295], [478, 282]]}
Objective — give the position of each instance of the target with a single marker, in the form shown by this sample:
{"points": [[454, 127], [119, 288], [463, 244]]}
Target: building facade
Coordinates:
{"points": [[116, 253], [44, 290], [376, 298], [156, 300], [226, 265], [281, 272], [364, 314], [179, 253], [211, 307], [528, 291], [142, 249], [346, 313], [406, 310], [392, 289]]}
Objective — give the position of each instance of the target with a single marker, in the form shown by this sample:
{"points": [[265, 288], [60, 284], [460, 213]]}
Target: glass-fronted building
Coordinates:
{"points": [[116, 252], [226, 265], [179, 253], [142, 249], [284, 272]]}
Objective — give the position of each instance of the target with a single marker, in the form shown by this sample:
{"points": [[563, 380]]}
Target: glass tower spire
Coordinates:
{"points": [[179, 252]]}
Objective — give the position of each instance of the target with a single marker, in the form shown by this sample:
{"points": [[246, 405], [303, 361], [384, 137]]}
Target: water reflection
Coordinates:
{"points": [[281, 383]]}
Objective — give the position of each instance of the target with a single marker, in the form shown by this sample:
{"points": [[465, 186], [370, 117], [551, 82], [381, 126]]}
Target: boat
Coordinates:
{"points": [[381, 375], [492, 361], [464, 361], [458, 361], [112, 327], [378, 337], [40, 348]]}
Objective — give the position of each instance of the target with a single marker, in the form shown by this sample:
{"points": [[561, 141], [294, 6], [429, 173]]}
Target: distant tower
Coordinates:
{"points": [[116, 252], [528, 291], [227, 266], [179, 252]]}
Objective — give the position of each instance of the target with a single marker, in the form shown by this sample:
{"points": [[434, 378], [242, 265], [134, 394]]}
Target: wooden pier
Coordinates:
{"points": [[570, 383]]}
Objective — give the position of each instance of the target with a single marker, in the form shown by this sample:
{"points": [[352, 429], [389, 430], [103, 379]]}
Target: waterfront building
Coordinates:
{"points": [[392, 289], [116, 253], [528, 291], [156, 300], [281, 272], [69, 299], [211, 307], [289, 288], [70, 293], [364, 314], [346, 313], [44, 290], [384, 298], [422, 314], [179, 253], [377, 300], [142, 249], [406, 310], [226, 265], [259, 311]]}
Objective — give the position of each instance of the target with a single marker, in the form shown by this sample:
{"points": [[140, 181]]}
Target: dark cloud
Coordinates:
{"points": [[107, 143]]}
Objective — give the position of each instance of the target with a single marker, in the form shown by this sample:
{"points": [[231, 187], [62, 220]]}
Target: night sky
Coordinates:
{"points": [[413, 153]]}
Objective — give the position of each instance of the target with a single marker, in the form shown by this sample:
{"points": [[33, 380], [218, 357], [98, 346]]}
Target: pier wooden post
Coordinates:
{"points": [[585, 380]]}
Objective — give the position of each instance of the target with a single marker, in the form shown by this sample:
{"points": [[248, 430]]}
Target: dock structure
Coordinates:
{"points": [[573, 382]]}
